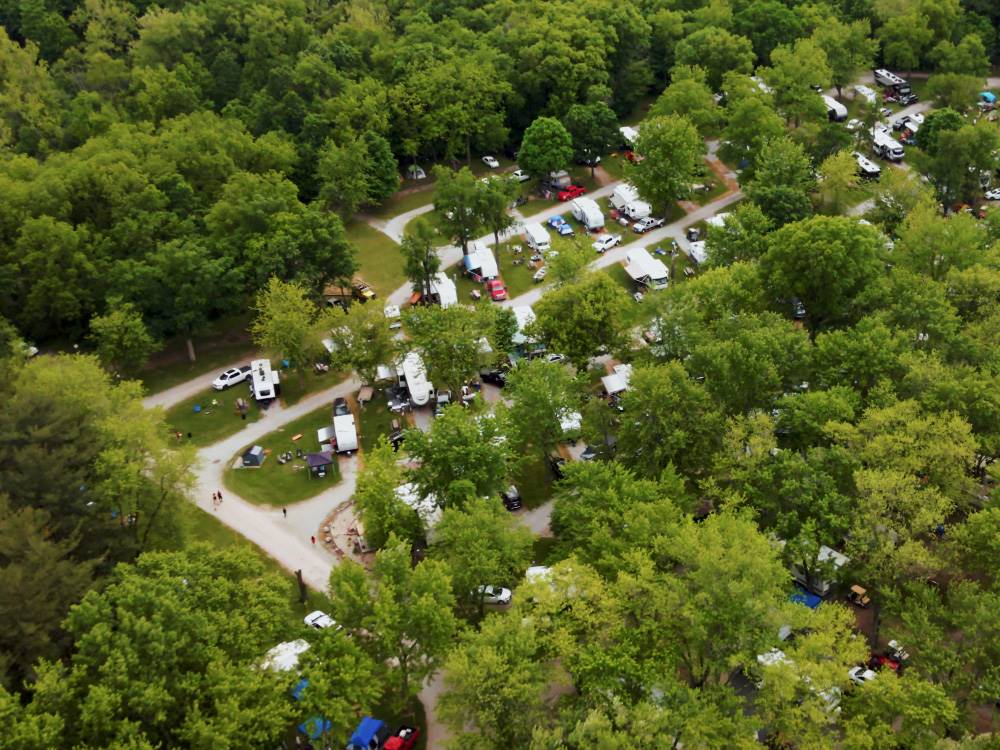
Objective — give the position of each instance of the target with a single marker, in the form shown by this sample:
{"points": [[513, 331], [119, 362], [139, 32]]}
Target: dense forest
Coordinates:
{"points": [[824, 379]]}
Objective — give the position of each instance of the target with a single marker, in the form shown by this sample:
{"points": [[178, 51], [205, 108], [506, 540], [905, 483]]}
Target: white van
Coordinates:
{"points": [[588, 213], [537, 238]]}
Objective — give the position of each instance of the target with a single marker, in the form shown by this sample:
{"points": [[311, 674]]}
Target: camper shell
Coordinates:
{"points": [[537, 238], [644, 269], [413, 376], [265, 383], [884, 145], [346, 433], [588, 213], [836, 111]]}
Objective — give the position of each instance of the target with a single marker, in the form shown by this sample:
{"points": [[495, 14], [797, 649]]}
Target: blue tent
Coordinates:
{"points": [[368, 730], [315, 727], [801, 596], [988, 96]]}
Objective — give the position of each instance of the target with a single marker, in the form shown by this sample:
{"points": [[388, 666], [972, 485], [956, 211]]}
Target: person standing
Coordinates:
{"points": [[313, 539], [284, 512]]}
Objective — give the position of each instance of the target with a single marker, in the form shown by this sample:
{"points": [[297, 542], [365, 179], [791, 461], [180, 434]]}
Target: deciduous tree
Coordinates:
{"points": [[362, 340], [546, 147], [286, 324], [593, 128], [543, 393], [672, 151]]}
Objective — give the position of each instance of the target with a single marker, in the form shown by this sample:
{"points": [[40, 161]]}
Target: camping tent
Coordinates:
{"points": [[254, 457], [369, 735]]}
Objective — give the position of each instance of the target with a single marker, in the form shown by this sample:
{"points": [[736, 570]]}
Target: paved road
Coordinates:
{"points": [[190, 388]]}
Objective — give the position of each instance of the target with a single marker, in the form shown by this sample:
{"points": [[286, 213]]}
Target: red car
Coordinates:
{"points": [[405, 738], [496, 289], [573, 191]]}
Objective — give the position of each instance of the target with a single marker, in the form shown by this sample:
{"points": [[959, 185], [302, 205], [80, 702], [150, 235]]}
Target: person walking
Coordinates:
{"points": [[284, 512], [313, 539], [215, 502], [219, 493]]}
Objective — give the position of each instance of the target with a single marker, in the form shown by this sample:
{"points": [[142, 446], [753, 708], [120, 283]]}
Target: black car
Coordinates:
{"points": [[443, 399], [556, 463], [494, 377], [511, 498], [589, 453], [341, 407]]}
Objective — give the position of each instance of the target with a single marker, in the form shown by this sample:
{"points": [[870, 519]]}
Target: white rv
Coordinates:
{"points": [[867, 169], [346, 433], [426, 508], [885, 77], [443, 289], [414, 376], [588, 213], [480, 262], [626, 199], [867, 93], [834, 109], [265, 383], [629, 136], [537, 238], [884, 145], [826, 556], [644, 269]]}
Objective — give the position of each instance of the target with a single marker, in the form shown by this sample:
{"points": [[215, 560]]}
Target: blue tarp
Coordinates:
{"points": [[801, 596], [315, 727], [365, 732], [988, 96], [299, 687]]}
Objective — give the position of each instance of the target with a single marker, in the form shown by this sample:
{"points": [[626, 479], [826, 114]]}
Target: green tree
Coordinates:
{"points": [[849, 49], [481, 544], [672, 420], [402, 616], [963, 155], [782, 180], [593, 128], [382, 512], [362, 340], [936, 122], [689, 96], [742, 236], [383, 169], [285, 324], [448, 340], [462, 453], [897, 193], [768, 24], [120, 337], [824, 262], [455, 200], [543, 393], [793, 72], [546, 147], [494, 198], [583, 318], [751, 122], [932, 245], [905, 38], [341, 170], [968, 57], [954, 90], [420, 259], [838, 182], [495, 681], [168, 648], [717, 51], [503, 330], [673, 157]]}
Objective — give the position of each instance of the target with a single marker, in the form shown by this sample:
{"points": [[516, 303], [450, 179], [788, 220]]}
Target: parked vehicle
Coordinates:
{"points": [[993, 195], [562, 227], [405, 738], [606, 241], [495, 377], [884, 145], [340, 407], [646, 224], [497, 290], [588, 213], [867, 169], [537, 238], [346, 431], [443, 399], [232, 376], [362, 292], [836, 111], [495, 594], [571, 192], [858, 596], [853, 124], [520, 175], [511, 498], [320, 620], [491, 162], [556, 463], [860, 675], [265, 383]]}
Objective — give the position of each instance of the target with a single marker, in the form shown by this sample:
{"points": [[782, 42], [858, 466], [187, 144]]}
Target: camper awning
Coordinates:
{"points": [[325, 434], [613, 384]]}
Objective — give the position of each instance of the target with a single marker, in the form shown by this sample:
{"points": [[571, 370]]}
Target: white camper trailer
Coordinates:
{"points": [[480, 262], [644, 269], [443, 290], [265, 383], [537, 238], [884, 145], [867, 169], [346, 433], [625, 198], [414, 376], [834, 109], [629, 136], [588, 213], [867, 93], [829, 558]]}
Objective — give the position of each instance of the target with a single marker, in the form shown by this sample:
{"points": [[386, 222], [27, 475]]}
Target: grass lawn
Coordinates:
{"points": [[379, 261], [534, 206], [534, 480], [294, 388], [517, 278], [274, 484], [225, 342], [419, 194], [614, 165], [434, 219], [214, 421], [617, 272], [543, 551], [200, 526], [375, 420]]}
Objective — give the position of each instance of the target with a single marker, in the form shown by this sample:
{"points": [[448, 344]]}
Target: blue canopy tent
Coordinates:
{"points": [[369, 735], [801, 596], [315, 727]]}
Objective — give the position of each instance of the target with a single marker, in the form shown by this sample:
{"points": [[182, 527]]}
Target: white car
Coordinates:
{"points": [[606, 242], [861, 675], [319, 620], [232, 376], [520, 175], [555, 357], [853, 124], [491, 162], [993, 195], [644, 225], [495, 594]]}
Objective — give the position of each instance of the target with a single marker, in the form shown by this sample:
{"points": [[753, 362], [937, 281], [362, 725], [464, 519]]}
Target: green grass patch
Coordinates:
{"points": [[534, 480], [375, 420], [543, 551], [716, 188], [614, 165], [580, 175], [379, 261], [295, 387], [516, 277], [401, 202], [617, 272], [534, 206], [223, 343], [217, 418], [276, 484], [201, 526]]}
